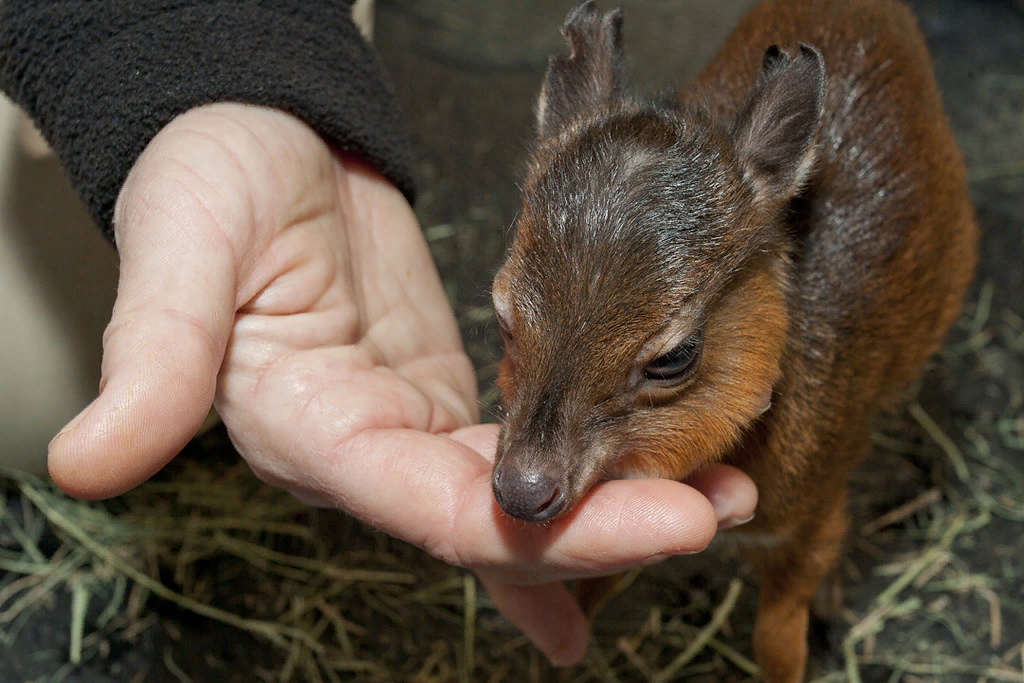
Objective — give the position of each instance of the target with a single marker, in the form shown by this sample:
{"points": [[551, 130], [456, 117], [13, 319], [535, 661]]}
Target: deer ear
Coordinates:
{"points": [[590, 77], [775, 133]]}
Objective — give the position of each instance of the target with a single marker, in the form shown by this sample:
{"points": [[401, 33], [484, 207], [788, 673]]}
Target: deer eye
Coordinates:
{"points": [[676, 365]]}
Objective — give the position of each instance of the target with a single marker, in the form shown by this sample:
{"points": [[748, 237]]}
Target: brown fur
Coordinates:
{"points": [[821, 263]]}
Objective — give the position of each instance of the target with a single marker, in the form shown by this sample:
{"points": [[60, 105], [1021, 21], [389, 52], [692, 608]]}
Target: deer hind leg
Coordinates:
{"points": [[790, 577]]}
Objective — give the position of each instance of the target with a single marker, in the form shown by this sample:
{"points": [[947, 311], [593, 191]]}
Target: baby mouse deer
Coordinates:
{"points": [[743, 272]]}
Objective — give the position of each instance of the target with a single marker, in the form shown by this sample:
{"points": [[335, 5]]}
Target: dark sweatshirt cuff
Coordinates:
{"points": [[101, 100]]}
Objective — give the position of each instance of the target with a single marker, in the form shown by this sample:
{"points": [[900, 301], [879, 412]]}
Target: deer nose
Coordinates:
{"points": [[527, 495]]}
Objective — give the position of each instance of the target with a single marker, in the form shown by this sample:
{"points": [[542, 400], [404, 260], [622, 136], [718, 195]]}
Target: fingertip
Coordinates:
{"points": [[732, 494], [482, 438], [634, 519], [569, 655], [547, 614], [82, 471], [73, 465], [61, 460], [122, 439]]}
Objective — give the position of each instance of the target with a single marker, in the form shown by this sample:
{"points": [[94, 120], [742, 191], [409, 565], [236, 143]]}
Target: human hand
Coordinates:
{"points": [[293, 285]]}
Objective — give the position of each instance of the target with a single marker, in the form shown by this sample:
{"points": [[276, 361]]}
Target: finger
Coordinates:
{"points": [[548, 615], [436, 493], [167, 335], [151, 404], [619, 525], [732, 493], [481, 438]]}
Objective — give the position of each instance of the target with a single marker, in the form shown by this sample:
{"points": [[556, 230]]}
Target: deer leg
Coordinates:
{"points": [[790, 576]]}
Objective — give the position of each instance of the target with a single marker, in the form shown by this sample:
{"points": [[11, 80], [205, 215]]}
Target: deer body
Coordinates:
{"points": [[745, 272]]}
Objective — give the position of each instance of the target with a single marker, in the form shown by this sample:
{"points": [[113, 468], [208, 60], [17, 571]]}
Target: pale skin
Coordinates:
{"points": [[291, 286]]}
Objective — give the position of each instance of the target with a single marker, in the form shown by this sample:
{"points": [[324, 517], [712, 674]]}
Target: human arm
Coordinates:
{"points": [[102, 77]]}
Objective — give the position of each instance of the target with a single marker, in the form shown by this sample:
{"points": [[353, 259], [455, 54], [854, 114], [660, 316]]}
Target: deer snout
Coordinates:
{"points": [[527, 494]]}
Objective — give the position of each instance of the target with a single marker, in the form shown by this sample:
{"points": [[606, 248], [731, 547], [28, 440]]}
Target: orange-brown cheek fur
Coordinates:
{"points": [[506, 376], [743, 345]]}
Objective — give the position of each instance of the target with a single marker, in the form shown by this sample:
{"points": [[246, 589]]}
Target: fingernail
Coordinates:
{"points": [[655, 559], [733, 522], [725, 508]]}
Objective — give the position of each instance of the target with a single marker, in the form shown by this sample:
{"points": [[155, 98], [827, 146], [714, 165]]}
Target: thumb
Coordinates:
{"points": [[166, 339]]}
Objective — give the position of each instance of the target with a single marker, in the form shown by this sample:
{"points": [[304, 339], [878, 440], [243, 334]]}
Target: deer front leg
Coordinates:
{"points": [[790, 576]]}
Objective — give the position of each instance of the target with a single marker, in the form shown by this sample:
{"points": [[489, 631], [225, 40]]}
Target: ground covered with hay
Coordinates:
{"points": [[205, 574]]}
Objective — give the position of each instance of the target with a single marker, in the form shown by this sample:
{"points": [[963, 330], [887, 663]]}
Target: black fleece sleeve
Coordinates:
{"points": [[102, 77]]}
